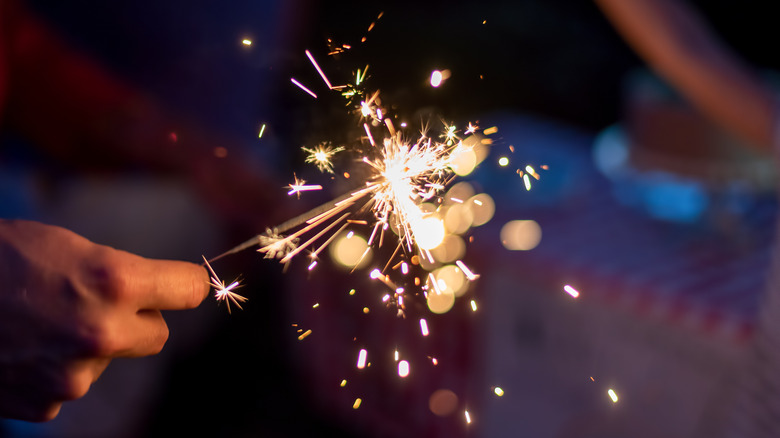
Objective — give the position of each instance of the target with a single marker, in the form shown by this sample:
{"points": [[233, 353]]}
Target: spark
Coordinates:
{"points": [[304, 335], [302, 87], [527, 182], [362, 356], [503, 161], [300, 186], [466, 271], [312, 265], [571, 291], [473, 305], [322, 156], [222, 292], [357, 403], [436, 78], [531, 171], [262, 130], [343, 383], [472, 128], [403, 368], [424, 327], [498, 391], [246, 42], [490, 131], [612, 395], [319, 70], [468, 417]]}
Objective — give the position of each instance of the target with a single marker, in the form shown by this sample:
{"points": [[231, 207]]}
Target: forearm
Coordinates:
{"points": [[682, 49]]}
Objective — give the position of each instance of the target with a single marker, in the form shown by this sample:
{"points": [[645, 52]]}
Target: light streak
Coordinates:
{"points": [[300, 186], [571, 291], [262, 130], [304, 335], [362, 356], [527, 182], [319, 70], [222, 292], [466, 271], [468, 416], [302, 87]]}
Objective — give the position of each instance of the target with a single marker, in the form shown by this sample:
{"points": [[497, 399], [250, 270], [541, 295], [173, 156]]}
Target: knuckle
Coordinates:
{"points": [[99, 340], [159, 339], [105, 275]]}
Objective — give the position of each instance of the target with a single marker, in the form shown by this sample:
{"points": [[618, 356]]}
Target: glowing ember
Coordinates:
{"points": [[571, 291], [403, 368], [424, 327], [362, 356]]}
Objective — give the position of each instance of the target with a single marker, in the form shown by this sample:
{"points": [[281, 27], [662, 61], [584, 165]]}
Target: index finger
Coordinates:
{"points": [[165, 284]]}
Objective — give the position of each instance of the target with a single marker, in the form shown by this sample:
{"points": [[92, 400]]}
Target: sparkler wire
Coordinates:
{"points": [[287, 225]]}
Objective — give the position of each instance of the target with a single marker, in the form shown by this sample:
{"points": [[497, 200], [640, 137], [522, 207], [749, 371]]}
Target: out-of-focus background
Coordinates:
{"points": [[666, 242]]}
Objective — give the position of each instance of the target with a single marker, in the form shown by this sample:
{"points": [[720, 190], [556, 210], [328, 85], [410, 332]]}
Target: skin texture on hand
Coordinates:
{"points": [[68, 306]]}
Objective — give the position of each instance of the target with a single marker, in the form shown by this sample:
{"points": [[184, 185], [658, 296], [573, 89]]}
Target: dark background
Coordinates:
{"points": [[554, 59]]}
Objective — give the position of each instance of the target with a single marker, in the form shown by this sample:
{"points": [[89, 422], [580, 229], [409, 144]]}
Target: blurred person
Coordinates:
{"points": [[672, 38], [68, 306]]}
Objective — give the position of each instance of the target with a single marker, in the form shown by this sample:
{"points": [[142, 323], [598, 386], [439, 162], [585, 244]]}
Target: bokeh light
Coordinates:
{"points": [[348, 249], [482, 208], [521, 235], [443, 402], [451, 248], [428, 232]]}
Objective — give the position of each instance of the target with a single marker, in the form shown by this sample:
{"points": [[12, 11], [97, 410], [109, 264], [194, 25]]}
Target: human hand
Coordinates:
{"points": [[68, 306]]}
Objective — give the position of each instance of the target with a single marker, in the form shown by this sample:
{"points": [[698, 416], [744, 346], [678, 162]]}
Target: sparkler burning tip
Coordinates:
{"points": [[223, 292]]}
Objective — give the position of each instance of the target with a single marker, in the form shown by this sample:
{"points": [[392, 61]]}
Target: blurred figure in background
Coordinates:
{"points": [[682, 49]]}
